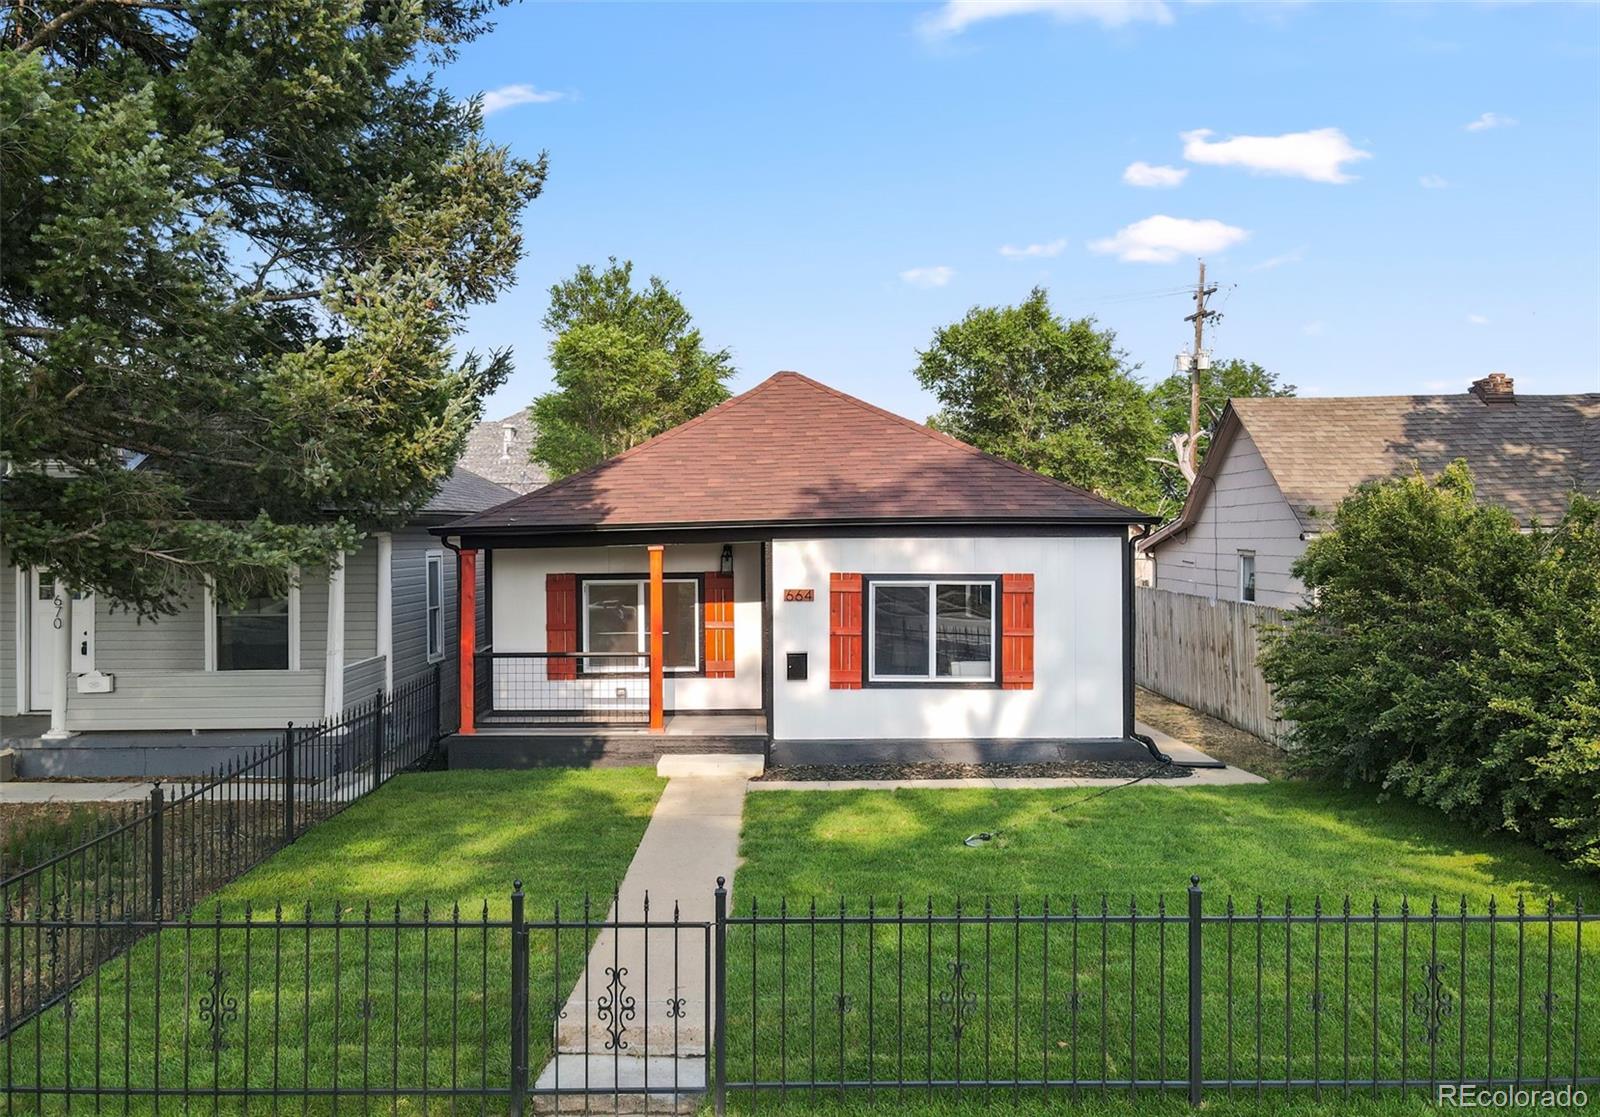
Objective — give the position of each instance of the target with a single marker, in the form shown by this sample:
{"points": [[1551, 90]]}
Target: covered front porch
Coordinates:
{"points": [[600, 653]]}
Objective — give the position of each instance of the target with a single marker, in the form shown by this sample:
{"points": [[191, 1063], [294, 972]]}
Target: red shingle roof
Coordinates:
{"points": [[793, 451]]}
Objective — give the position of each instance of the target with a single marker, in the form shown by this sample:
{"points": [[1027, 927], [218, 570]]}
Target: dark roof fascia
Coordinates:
{"points": [[1228, 427], [638, 535]]}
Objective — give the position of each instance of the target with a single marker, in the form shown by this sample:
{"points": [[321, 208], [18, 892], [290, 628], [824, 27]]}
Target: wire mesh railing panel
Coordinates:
{"points": [[562, 688]]}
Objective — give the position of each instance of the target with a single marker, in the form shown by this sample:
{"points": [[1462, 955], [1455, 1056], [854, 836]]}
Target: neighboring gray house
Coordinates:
{"points": [[1277, 468], [498, 449], [338, 638]]}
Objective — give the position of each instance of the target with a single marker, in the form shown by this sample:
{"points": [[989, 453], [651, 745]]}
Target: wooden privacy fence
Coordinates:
{"points": [[1205, 654]]}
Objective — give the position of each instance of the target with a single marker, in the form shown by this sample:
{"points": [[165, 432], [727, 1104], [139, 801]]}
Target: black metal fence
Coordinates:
{"points": [[772, 1005], [76, 908], [561, 689], [488, 1006]]}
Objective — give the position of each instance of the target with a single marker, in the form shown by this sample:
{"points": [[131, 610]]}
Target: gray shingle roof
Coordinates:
{"points": [[1528, 456], [497, 449], [464, 492]]}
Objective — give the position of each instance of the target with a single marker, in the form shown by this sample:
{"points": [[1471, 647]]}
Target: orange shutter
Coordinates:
{"points": [[719, 626], [844, 632], [561, 623], [1016, 631]]}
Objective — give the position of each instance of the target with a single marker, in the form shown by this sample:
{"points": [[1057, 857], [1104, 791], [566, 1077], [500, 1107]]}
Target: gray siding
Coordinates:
{"points": [[125, 642], [411, 546], [1245, 512], [200, 700], [361, 604], [8, 635], [363, 678]]}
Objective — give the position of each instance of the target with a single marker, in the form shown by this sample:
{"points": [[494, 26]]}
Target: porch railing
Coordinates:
{"points": [[561, 688]]}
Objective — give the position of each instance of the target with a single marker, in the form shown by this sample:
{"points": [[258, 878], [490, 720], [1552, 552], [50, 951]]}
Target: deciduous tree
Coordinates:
{"points": [[1058, 397], [628, 365]]}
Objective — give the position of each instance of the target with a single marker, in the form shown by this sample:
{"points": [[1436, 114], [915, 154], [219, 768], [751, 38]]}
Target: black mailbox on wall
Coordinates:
{"points": [[797, 666]]}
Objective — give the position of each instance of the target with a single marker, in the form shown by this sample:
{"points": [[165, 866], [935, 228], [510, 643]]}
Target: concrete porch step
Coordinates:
{"points": [[587, 1083]]}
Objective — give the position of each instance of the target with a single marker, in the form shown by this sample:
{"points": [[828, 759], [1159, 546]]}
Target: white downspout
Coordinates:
{"points": [[386, 607], [61, 663], [333, 678]]}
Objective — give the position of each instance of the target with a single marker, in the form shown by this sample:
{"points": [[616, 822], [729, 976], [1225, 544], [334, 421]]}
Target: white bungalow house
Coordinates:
{"points": [[795, 565], [105, 692]]}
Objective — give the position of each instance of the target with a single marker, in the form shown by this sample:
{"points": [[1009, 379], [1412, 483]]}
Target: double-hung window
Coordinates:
{"points": [[616, 624], [1247, 575], [931, 630], [435, 605], [254, 634]]}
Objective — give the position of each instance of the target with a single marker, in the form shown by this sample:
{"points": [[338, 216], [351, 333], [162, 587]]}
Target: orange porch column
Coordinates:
{"points": [[658, 714], [467, 629]]}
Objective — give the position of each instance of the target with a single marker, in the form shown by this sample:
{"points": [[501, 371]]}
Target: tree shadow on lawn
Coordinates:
{"points": [[1278, 840], [465, 837]]}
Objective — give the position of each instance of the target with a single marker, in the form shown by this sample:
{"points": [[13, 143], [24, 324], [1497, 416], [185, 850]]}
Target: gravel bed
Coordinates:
{"points": [[936, 770]]}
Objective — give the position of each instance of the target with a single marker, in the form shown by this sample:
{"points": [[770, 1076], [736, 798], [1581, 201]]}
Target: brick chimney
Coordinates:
{"points": [[1496, 388]]}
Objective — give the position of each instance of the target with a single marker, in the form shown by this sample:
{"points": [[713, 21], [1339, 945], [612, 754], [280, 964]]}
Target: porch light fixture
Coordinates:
{"points": [[727, 558]]}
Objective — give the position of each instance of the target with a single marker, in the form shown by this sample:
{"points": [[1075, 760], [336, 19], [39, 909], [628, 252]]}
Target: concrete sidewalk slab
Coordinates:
{"points": [[85, 791], [657, 977], [1181, 751]]}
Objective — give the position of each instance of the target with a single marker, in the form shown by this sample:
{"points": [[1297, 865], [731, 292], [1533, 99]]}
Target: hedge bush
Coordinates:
{"points": [[1450, 657]]}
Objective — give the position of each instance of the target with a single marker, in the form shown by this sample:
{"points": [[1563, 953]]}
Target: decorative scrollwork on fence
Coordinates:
{"points": [[217, 1008], [615, 1008], [675, 1008], [1433, 1004], [958, 1002]]}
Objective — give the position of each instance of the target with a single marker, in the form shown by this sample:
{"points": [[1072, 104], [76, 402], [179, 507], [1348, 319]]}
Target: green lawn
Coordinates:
{"points": [[1285, 842], [443, 838]]}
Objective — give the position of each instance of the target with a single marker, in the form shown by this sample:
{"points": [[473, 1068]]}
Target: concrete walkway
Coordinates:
{"points": [[637, 1015]]}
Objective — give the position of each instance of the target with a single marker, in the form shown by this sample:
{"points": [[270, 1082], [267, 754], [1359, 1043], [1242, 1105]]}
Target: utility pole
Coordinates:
{"points": [[1196, 358]]}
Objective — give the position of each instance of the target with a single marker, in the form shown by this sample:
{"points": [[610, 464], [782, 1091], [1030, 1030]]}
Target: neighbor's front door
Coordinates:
{"points": [[77, 611]]}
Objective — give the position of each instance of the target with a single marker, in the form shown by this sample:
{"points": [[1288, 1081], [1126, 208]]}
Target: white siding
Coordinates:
{"points": [[519, 610], [1077, 691], [1244, 512]]}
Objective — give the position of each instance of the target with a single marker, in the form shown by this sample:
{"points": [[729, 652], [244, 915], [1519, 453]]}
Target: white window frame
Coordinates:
{"points": [[1254, 573], [294, 623], [931, 584], [643, 585], [429, 560]]}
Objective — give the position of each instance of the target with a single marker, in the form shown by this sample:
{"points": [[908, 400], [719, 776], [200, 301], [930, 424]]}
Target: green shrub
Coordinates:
{"points": [[1453, 658]]}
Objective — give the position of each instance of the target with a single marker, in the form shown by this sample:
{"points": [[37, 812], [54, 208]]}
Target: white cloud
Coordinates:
{"points": [[955, 16], [928, 277], [1314, 328], [1278, 261], [1147, 174], [1030, 251], [1433, 182], [520, 94], [1162, 239], [1477, 320], [1319, 155], [1490, 120]]}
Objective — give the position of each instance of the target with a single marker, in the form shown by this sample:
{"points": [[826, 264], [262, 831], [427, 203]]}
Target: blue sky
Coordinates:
{"points": [[1393, 198]]}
